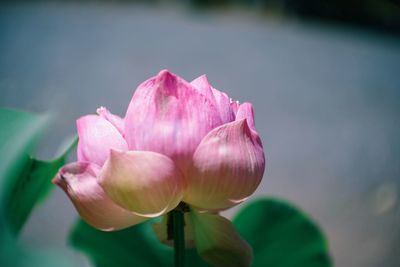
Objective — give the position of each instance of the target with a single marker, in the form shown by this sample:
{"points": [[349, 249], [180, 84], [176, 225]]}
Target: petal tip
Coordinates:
{"points": [[201, 83], [165, 76], [166, 82], [246, 110], [78, 181], [59, 180], [243, 125], [164, 72], [115, 153], [71, 169], [101, 110], [202, 78]]}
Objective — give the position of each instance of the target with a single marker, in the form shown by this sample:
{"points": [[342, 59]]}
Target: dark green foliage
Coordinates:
{"points": [[281, 235]]}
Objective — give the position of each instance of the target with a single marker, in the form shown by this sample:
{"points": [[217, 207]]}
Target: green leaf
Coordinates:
{"points": [[281, 235], [134, 246], [23, 180], [12, 253], [32, 186], [18, 136]]}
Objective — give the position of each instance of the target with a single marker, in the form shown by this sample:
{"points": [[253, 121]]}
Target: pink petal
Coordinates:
{"points": [[224, 105], [203, 87], [96, 137], [79, 182], [169, 116], [115, 120], [245, 111], [220, 99], [234, 106], [227, 167], [144, 182], [218, 242]]}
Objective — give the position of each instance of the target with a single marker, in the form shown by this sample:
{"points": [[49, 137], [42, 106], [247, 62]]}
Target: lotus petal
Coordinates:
{"points": [[79, 182], [227, 167], [146, 183]]}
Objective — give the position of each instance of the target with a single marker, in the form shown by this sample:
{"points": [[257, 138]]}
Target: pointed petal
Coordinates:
{"points": [[167, 115], [143, 182], [220, 99], [79, 182], [218, 242], [234, 106], [161, 231], [245, 111], [115, 120], [96, 137], [227, 167], [224, 105], [202, 85]]}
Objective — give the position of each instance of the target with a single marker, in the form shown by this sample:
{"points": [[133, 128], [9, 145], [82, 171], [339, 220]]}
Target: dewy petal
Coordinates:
{"points": [[218, 242], [227, 167], [79, 182], [245, 111], [115, 120], [96, 137], [143, 182], [220, 99], [169, 116]]}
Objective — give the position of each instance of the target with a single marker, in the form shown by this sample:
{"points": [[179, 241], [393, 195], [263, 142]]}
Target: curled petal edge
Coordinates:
{"points": [[78, 181]]}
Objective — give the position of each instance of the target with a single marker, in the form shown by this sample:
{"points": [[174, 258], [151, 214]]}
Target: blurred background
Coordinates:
{"points": [[323, 76]]}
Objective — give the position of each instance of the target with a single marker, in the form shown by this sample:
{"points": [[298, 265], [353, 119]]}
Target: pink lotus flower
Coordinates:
{"points": [[179, 142]]}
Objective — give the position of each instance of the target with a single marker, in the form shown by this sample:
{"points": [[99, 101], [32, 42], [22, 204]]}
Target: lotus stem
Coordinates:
{"points": [[179, 237]]}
